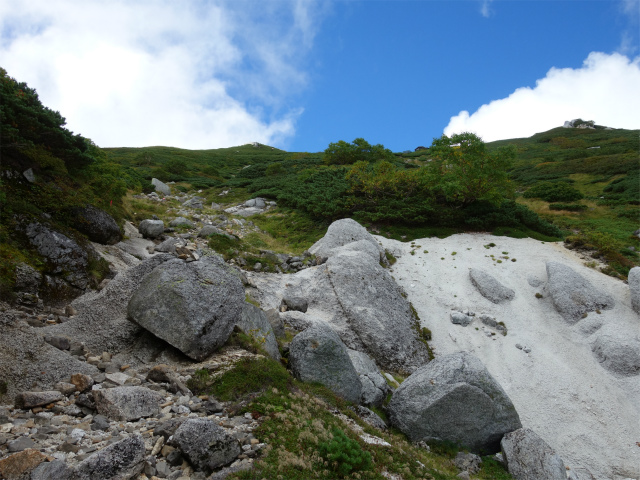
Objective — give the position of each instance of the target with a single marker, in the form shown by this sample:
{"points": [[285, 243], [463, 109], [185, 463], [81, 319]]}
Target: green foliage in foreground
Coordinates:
{"points": [[306, 439]]}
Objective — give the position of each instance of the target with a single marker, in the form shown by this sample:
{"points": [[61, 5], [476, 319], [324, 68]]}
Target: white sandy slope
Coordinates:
{"points": [[589, 416]]}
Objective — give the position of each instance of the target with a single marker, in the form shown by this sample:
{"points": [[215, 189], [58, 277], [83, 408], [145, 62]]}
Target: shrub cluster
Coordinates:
{"points": [[554, 192]]}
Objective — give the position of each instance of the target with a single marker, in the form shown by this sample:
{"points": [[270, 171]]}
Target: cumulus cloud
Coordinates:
{"points": [[485, 9], [604, 89], [186, 74]]}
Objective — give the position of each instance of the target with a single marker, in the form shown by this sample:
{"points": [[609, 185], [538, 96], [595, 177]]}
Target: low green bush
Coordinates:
{"points": [[569, 207], [554, 192]]}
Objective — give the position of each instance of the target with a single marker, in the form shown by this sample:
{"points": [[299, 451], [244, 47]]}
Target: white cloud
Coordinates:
{"points": [[186, 74], [485, 9], [604, 89]]}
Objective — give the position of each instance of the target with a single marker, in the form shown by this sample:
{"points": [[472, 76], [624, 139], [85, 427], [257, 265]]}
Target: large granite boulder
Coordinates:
{"points": [[489, 287], [617, 351], [634, 288], [161, 186], [572, 294], [121, 460], [454, 398], [192, 306], [374, 387], [529, 457], [127, 403], [375, 310], [318, 355], [63, 255], [101, 323], [341, 233], [205, 444], [151, 228], [254, 322], [97, 225]]}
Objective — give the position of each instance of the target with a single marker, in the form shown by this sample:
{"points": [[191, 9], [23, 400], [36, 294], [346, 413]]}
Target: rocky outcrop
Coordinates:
{"points": [[454, 398], [617, 351], [205, 444], [254, 322], [572, 294], [63, 256], [529, 457], [375, 310], [374, 386], [489, 287], [151, 228], [318, 355], [634, 288], [37, 399], [192, 306], [97, 225]]}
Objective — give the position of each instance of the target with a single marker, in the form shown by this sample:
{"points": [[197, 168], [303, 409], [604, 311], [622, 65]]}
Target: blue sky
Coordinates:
{"points": [[299, 74]]}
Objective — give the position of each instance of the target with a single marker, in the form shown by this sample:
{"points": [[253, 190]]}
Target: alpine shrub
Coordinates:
{"points": [[344, 454]]}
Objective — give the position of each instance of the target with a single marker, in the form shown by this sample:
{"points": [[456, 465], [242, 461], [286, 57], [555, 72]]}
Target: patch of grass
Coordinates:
{"points": [[292, 231], [390, 257], [344, 455], [250, 375], [539, 295]]}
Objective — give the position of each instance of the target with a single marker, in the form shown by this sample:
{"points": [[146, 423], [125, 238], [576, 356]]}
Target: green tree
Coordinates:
{"points": [[343, 153], [462, 171]]}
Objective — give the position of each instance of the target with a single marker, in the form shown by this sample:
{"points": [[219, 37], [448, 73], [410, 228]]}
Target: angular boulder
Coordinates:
{"points": [[572, 294], [341, 233], [151, 228], [121, 460], [254, 322], [127, 403], [205, 444], [374, 387], [161, 186], [97, 225], [634, 288], [375, 310], [19, 464], [529, 457], [617, 351], [63, 255], [195, 202], [192, 306], [454, 398], [318, 355], [489, 287], [26, 400]]}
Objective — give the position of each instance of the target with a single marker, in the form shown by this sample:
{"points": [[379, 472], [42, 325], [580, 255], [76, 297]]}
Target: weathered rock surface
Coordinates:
{"points": [[63, 256], [170, 245], [489, 287], [254, 322], [374, 386], [127, 403], [181, 222], [318, 355], [195, 203], [19, 464], [572, 294], [341, 233], [151, 228], [122, 460], [276, 322], [634, 288], [529, 457], [617, 351], [97, 225], [161, 187], [454, 398], [193, 306], [298, 304], [205, 444], [375, 310], [26, 400]]}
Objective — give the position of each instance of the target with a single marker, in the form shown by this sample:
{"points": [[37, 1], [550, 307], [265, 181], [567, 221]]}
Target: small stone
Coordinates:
{"points": [[20, 444], [82, 382]]}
